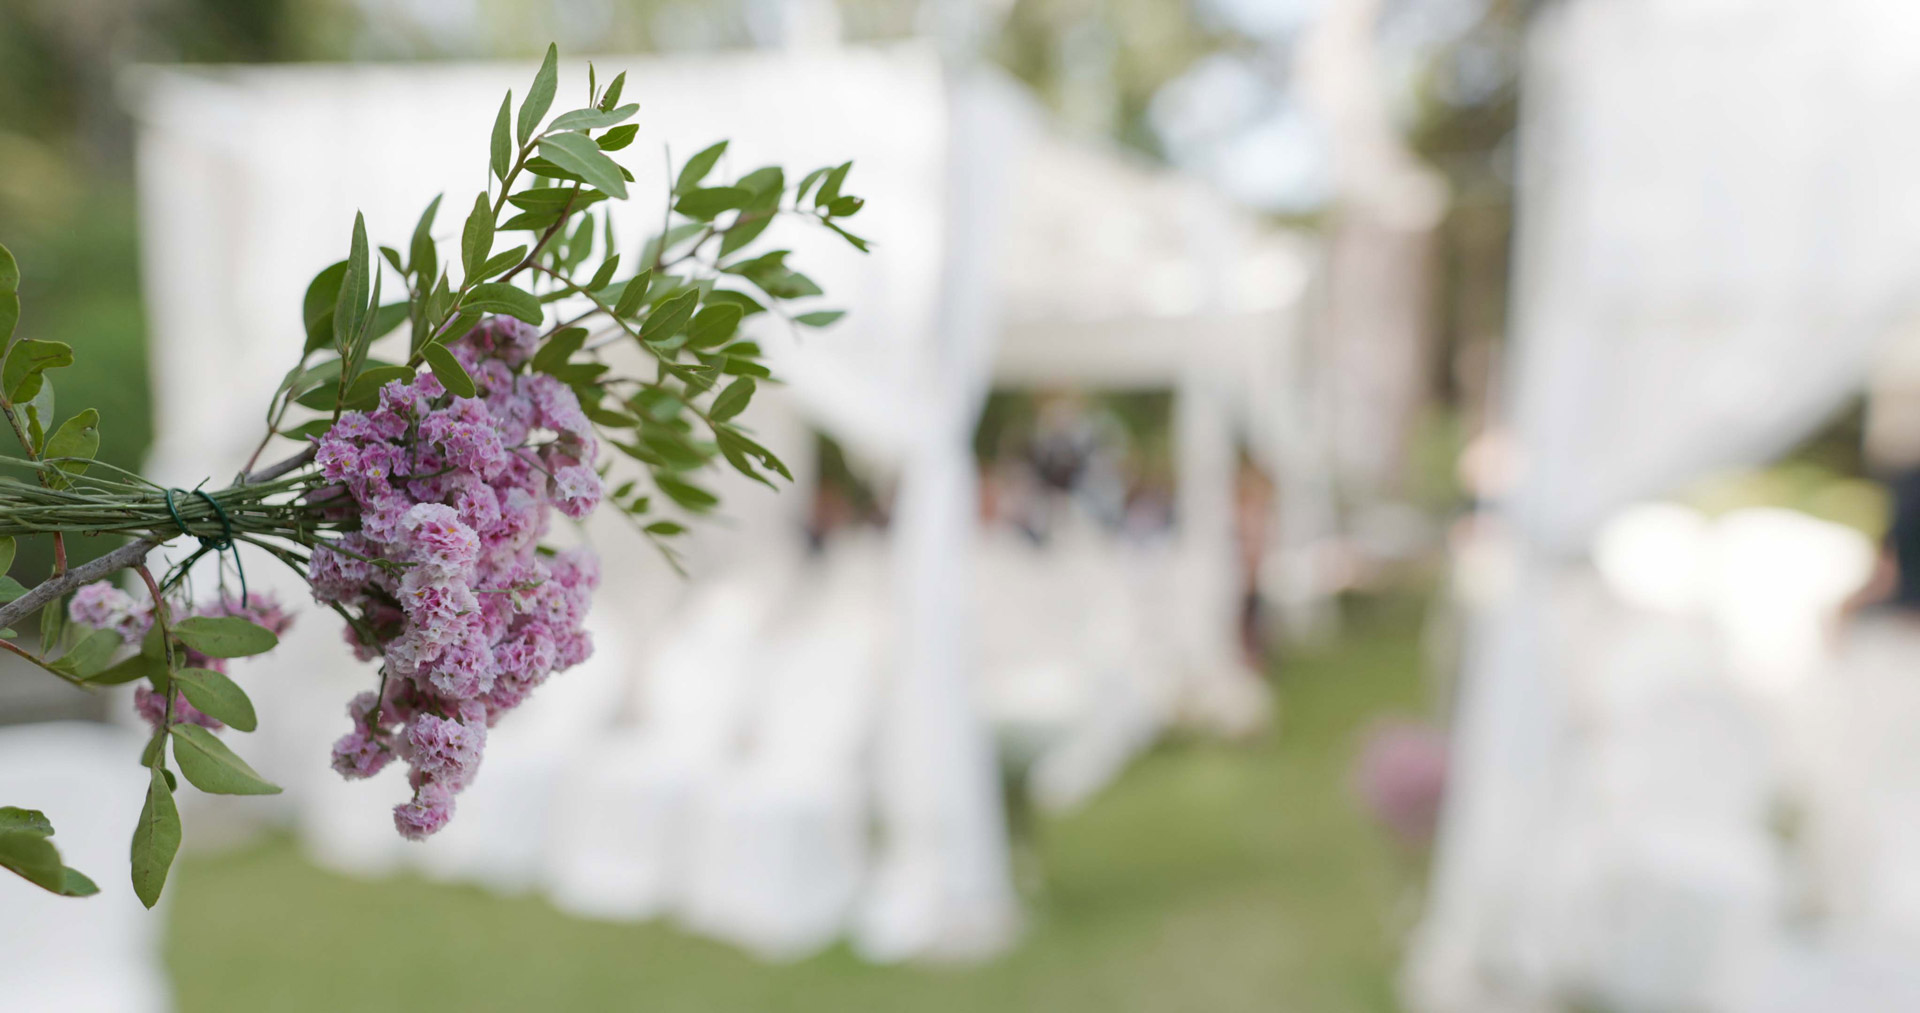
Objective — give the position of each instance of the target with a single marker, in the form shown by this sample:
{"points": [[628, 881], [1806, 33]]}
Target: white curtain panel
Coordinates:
{"points": [[1719, 218]]}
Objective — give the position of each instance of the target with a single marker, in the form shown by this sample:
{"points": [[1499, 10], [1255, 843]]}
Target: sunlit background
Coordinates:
{"points": [[1316, 505]]}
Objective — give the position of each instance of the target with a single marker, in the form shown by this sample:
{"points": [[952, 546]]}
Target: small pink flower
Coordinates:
{"points": [[359, 754], [429, 810]]}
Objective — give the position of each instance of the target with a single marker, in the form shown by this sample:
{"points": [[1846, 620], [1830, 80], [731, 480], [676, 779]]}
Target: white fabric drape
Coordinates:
{"points": [[944, 886], [1719, 216]]}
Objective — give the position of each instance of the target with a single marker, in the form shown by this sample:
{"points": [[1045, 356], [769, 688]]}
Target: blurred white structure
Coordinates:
{"points": [[726, 757], [1719, 219]]}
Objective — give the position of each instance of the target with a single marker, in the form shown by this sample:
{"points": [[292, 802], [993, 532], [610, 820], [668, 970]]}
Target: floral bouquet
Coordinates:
{"points": [[419, 507]]}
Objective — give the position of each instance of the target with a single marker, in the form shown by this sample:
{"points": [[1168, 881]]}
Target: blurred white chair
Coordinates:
{"points": [[1663, 861], [618, 816], [1655, 556], [1778, 579], [1795, 974], [79, 954], [778, 848], [1077, 676]]}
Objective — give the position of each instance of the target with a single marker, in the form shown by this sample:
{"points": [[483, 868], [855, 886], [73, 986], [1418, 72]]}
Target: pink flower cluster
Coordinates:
{"points": [[453, 495], [102, 606]]}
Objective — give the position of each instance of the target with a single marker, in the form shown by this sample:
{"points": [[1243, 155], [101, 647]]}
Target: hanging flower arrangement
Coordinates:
{"points": [[419, 506]]}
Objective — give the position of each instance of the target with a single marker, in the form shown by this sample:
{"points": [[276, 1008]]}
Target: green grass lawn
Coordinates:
{"points": [[1212, 878]]}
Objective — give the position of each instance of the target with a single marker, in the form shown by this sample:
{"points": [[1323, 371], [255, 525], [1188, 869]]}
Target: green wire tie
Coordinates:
{"points": [[210, 543]]}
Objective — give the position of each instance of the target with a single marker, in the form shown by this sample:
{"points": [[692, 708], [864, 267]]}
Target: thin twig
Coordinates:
{"points": [[130, 554], [273, 471]]}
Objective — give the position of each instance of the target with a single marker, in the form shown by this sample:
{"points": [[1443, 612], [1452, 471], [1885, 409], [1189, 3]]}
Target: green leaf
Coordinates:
{"points": [[422, 258], [714, 325], [578, 247], [155, 840], [726, 296], [224, 636], [501, 148], [26, 361], [33, 858], [592, 119], [733, 440], [210, 766], [7, 547], [736, 366], [495, 297], [530, 221], [317, 308], [688, 495], [744, 231], [452, 375], [138, 667], [559, 349], [312, 429], [30, 821], [789, 285], [540, 96], [618, 137], [733, 400], [634, 295], [365, 389], [605, 274], [386, 318], [547, 170], [807, 181], [858, 243], [364, 336], [706, 203], [75, 883], [731, 449], [669, 317], [830, 187], [40, 410], [217, 696], [698, 166], [501, 261], [9, 295], [350, 308], [579, 155], [476, 239], [555, 198], [90, 655], [819, 318], [393, 257], [320, 399], [78, 438], [609, 418], [666, 528], [10, 589], [53, 624], [612, 96]]}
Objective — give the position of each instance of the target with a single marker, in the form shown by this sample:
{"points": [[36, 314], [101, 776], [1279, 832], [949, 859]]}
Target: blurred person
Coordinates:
{"points": [[1892, 446]]}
